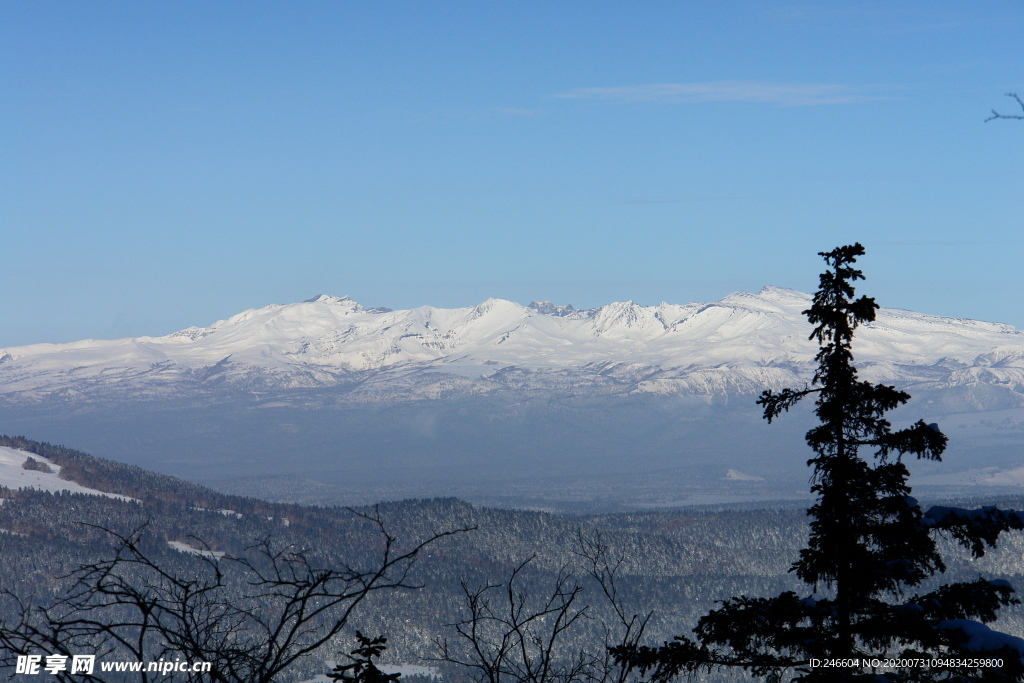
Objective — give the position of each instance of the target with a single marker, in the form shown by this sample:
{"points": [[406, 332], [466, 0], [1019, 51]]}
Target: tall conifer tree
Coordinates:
{"points": [[870, 545]]}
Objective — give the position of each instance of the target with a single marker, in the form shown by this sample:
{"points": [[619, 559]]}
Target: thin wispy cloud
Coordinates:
{"points": [[782, 94], [889, 18]]}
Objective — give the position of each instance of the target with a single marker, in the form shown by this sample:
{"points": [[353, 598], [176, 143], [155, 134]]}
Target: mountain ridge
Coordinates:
{"points": [[742, 343]]}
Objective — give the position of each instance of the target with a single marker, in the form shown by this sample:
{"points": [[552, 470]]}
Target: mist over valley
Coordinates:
{"points": [[542, 406]]}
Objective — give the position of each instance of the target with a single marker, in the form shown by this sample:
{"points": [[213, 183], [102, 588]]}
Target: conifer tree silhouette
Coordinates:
{"points": [[869, 546]]}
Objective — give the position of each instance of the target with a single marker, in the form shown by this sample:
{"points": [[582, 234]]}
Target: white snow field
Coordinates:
{"points": [[182, 547], [14, 476]]}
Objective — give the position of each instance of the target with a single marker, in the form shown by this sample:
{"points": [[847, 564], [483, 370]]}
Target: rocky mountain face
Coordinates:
{"points": [[542, 405]]}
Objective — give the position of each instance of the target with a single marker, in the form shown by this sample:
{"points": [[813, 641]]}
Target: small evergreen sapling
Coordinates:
{"points": [[361, 668], [870, 544]]}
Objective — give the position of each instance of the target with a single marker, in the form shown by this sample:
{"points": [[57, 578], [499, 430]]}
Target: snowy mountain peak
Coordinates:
{"points": [[773, 293], [327, 299], [188, 334], [777, 300], [628, 318], [500, 306], [548, 308]]}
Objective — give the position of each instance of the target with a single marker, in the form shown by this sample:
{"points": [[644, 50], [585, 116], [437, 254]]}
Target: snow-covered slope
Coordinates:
{"points": [[14, 476], [745, 342]]}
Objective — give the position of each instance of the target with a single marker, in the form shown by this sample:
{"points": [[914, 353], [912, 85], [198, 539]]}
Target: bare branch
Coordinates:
{"points": [[604, 569], [133, 606], [510, 636], [997, 115]]}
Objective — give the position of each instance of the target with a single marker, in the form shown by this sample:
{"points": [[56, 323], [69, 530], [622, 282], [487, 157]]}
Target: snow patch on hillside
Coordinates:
{"points": [[14, 476], [736, 475], [186, 548], [403, 669]]}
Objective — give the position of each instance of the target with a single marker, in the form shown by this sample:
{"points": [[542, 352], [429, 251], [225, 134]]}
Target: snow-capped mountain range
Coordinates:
{"points": [[742, 343]]}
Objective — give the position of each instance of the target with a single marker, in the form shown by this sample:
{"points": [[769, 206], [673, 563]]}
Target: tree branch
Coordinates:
{"points": [[997, 115]]}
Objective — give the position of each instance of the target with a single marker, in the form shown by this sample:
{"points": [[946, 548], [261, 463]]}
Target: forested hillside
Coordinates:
{"points": [[675, 563]]}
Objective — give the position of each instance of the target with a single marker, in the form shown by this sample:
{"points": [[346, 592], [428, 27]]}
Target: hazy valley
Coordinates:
{"points": [[545, 406]]}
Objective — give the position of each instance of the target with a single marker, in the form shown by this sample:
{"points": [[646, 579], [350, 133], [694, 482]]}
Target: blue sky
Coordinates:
{"points": [[168, 164]]}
